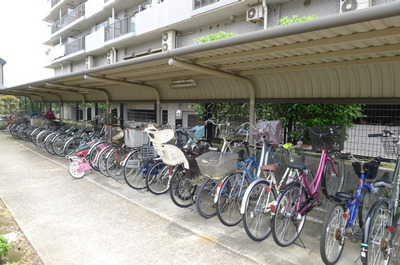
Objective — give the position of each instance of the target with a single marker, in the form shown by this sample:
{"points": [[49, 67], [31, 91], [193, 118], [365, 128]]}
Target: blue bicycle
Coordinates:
{"points": [[346, 216]]}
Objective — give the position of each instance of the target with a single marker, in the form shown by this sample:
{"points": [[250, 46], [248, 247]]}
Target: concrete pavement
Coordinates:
{"points": [[97, 220]]}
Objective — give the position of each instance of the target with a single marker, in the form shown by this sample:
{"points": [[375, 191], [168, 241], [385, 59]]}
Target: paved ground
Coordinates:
{"points": [[97, 220]]}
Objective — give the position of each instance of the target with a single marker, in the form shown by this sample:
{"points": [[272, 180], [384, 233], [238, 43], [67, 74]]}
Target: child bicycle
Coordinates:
{"points": [[300, 197], [381, 239], [346, 216]]}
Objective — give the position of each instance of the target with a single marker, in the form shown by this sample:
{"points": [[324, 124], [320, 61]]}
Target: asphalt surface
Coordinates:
{"points": [[97, 220]]}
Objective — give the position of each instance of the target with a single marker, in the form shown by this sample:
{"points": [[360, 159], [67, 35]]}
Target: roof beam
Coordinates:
{"points": [[79, 88], [128, 83], [214, 72]]}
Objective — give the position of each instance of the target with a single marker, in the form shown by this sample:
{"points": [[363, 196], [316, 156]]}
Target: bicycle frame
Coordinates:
{"points": [[312, 188]]}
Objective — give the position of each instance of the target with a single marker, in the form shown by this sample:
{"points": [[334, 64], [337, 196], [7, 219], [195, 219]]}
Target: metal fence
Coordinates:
{"points": [[119, 28]]}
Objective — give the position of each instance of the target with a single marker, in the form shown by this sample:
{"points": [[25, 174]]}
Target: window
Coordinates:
{"points": [[141, 115]]}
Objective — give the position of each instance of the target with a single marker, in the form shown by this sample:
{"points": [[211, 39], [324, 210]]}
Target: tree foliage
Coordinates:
{"points": [[287, 20], [9, 104]]}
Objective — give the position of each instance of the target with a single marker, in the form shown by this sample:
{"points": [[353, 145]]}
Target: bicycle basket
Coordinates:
{"points": [[271, 130], [330, 137], [135, 138], [370, 168], [231, 132], [217, 165], [391, 143]]}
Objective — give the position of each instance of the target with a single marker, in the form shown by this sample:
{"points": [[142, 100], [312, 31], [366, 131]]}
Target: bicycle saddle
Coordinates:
{"points": [[298, 163], [345, 194], [384, 181]]}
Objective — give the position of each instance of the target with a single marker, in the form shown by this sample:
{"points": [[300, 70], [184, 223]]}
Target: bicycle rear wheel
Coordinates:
{"points": [[48, 143], [135, 171], [58, 144], [182, 189], [205, 204], [396, 241], [114, 163], [102, 163], [333, 234], [72, 145], [333, 177], [157, 178], [376, 235], [230, 198], [257, 213], [287, 222]]}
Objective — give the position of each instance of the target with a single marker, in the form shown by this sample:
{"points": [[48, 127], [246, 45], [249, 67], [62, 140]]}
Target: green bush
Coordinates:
{"points": [[214, 36], [4, 246], [12, 263], [294, 19]]}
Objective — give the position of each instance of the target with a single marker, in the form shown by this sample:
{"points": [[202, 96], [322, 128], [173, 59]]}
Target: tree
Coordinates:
{"points": [[9, 104]]}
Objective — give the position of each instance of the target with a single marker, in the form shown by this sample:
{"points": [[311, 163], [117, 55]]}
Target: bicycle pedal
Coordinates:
{"points": [[358, 235], [316, 203]]}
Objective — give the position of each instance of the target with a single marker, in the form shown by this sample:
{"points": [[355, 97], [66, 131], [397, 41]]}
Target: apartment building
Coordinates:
{"points": [[93, 33]]}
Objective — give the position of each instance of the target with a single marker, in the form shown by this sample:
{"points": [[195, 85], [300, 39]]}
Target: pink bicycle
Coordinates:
{"points": [[300, 197]]}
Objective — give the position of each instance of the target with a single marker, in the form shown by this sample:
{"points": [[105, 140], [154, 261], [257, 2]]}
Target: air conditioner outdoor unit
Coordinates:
{"points": [[89, 61], [254, 13], [110, 57], [168, 40], [351, 5]]}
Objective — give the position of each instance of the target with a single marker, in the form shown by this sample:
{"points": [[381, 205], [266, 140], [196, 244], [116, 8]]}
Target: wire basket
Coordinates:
{"points": [[135, 138], [391, 143], [217, 165], [330, 137], [231, 132], [147, 151]]}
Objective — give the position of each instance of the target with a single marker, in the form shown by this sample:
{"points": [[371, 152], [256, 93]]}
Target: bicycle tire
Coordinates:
{"points": [[333, 180], [285, 219], [374, 249], [34, 134], [257, 213], [72, 145], [93, 154], [72, 170], [333, 234], [40, 139], [205, 204], [114, 161], [158, 178], [48, 143], [229, 198], [367, 199], [103, 159], [58, 144], [181, 190], [14, 130]]}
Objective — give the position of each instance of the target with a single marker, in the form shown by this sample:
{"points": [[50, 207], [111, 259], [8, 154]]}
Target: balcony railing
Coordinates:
{"points": [[119, 28], [75, 14], [202, 3], [54, 2], [75, 46]]}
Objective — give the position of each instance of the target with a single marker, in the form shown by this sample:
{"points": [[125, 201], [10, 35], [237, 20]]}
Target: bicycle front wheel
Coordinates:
{"points": [[333, 234], [333, 178], [157, 178], [376, 235], [287, 222], [182, 189], [114, 163], [396, 241], [205, 204], [230, 198], [135, 171], [257, 211]]}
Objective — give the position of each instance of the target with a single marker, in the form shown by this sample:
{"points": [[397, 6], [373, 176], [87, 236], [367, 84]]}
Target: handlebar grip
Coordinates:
{"points": [[375, 135]]}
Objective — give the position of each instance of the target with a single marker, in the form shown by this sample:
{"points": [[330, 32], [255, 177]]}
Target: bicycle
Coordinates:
{"points": [[300, 197], [262, 193], [381, 238], [348, 212], [232, 190], [232, 138]]}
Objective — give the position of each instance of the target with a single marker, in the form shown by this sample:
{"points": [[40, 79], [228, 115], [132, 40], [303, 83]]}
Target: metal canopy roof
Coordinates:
{"points": [[348, 57]]}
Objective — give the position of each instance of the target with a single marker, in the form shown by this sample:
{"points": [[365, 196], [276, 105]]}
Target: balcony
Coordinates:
{"points": [[70, 17], [54, 2], [202, 3], [120, 28], [162, 14], [74, 46]]}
